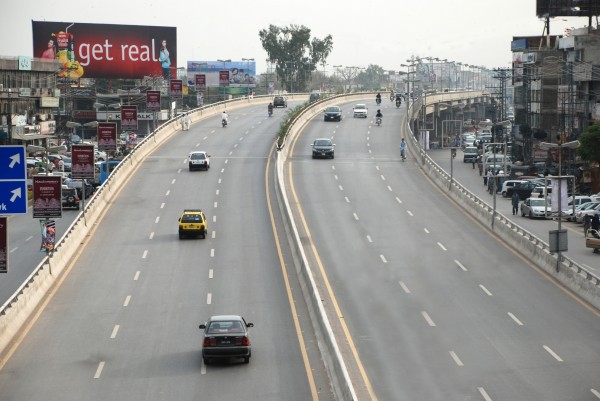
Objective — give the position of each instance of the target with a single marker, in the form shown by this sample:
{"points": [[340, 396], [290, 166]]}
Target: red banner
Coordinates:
{"points": [[176, 86], [129, 118], [107, 136], [82, 162], [153, 100], [47, 199], [223, 78], [200, 82], [105, 50]]}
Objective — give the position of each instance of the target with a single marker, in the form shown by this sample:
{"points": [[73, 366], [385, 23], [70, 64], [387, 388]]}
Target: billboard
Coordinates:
{"points": [[106, 50], [566, 8], [47, 201], [241, 75], [129, 117], [107, 136]]}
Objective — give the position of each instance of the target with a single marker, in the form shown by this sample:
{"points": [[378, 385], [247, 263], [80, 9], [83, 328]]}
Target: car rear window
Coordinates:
{"points": [[225, 327], [198, 156], [191, 218]]}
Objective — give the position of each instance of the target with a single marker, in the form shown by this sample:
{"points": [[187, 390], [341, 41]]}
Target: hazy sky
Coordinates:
{"points": [[384, 32]]}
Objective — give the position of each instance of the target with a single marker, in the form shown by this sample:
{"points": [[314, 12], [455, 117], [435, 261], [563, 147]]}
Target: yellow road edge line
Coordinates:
{"points": [[327, 284], [307, 366]]}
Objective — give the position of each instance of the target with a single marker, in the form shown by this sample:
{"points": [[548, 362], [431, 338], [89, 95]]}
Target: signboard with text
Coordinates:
{"points": [[13, 180], [152, 101], [47, 200], [82, 162], [129, 117], [176, 89], [223, 78], [107, 136], [200, 82]]}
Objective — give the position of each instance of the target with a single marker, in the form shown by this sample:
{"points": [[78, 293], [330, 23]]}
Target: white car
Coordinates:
{"points": [[199, 160], [580, 215], [360, 110], [535, 207]]}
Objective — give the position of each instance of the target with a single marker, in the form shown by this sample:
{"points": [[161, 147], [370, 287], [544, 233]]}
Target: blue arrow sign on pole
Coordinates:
{"points": [[13, 197], [13, 165]]}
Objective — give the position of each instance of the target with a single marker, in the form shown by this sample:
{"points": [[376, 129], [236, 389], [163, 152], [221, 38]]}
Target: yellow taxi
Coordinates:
{"points": [[192, 223]]}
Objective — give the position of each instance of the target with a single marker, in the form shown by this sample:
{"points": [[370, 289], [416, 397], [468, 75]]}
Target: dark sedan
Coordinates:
{"points": [[333, 113], [523, 189], [323, 147], [226, 336]]}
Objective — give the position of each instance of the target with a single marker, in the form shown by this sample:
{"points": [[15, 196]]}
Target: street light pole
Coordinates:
{"points": [[248, 60], [556, 245]]}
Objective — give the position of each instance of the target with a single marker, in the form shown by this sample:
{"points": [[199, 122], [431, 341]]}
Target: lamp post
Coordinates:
{"points": [[74, 125], [248, 60], [224, 62], [337, 67], [560, 237]]}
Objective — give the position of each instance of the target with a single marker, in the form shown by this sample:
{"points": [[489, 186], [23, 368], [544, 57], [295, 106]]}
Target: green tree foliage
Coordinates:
{"points": [[590, 144], [372, 78], [294, 53]]}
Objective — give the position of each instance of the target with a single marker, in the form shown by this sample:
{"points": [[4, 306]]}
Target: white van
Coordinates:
{"points": [[498, 159]]}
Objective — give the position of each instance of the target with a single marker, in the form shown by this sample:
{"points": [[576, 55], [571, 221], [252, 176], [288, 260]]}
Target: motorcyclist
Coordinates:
{"points": [[224, 117], [270, 108], [379, 116], [378, 98], [398, 102], [392, 94]]}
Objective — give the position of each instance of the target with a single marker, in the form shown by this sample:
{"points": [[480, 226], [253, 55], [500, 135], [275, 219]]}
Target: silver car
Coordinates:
{"points": [[535, 208]]}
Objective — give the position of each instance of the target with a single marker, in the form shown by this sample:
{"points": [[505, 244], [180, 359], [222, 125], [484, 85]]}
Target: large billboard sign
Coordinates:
{"points": [[566, 8], [240, 76], [106, 50]]}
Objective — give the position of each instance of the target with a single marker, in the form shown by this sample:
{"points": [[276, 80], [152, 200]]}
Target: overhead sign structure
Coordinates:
{"points": [[13, 180]]}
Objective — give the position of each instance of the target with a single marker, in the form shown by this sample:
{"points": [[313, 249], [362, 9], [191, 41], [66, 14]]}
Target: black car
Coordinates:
{"points": [[226, 336], [323, 147], [78, 184], [523, 189], [314, 97], [333, 113], [70, 199], [279, 101]]}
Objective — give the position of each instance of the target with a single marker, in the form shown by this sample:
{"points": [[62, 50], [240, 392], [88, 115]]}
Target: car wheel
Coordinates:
{"points": [[530, 215], [206, 360], [180, 236], [247, 359], [77, 207], [203, 235], [504, 194]]}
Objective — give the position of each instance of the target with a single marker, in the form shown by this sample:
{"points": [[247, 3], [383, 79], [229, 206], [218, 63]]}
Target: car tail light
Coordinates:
{"points": [[245, 341], [210, 342]]}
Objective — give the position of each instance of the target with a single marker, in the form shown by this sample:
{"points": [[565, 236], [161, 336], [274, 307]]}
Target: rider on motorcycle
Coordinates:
{"points": [[224, 117], [379, 116], [270, 108]]}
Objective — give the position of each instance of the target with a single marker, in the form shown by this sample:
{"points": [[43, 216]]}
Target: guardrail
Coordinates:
{"points": [[571, 274], [19, 307]]}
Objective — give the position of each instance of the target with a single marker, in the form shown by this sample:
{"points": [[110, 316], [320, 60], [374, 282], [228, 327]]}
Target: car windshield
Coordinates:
{"points": [[539, 202], [332, 109], [229, 326], [322, 142], [360, 107], [191, 218], [198, 156]]}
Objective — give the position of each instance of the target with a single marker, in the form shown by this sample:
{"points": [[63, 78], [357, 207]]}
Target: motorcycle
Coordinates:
{"points": [[398, 102], [392, 97], [270, 112], [224, 122], [378, 121]]}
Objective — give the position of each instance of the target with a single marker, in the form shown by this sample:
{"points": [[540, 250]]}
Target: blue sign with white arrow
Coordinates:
{"points": [[13, 165], [13, 197], [13, 180]]}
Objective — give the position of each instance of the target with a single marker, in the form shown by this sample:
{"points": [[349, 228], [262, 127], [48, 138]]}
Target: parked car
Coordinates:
{"points": [[225, 337], [323, 147], [279, 101], [67, 162], [580, 216], [333, 113], [314, 96], [571, 215], [360, 110], [523, 189], [79, 184], [535, 207], [508, 184]]}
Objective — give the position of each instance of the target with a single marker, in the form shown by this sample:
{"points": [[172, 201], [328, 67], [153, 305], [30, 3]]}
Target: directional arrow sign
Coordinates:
{"points": [[13, 165], [13, 197]]}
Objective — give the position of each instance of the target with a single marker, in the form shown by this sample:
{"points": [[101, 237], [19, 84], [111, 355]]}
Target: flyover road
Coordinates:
{"points": [[470, 179], [426, 304], [123, 324]]}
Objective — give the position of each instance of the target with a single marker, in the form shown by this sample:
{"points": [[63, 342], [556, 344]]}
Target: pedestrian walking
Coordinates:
{"points": [[480, 165], [515, 203]]}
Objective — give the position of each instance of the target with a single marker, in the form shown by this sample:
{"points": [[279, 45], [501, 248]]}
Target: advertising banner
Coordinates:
{"points": [[106, 50], [107, 136], [152, 100], [241, 75], [82, 162], [129, 117], [223, 78], [48, 229], [176, 89], [3, 245], [47, 199], [200, 82]]}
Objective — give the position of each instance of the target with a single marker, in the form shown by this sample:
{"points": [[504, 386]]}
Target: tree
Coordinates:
{"points": [[372, 78], [294, 53], [590, 144]]}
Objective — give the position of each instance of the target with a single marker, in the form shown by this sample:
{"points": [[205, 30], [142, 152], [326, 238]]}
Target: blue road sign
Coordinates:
{"points": [[13, 197], [13, 165]]}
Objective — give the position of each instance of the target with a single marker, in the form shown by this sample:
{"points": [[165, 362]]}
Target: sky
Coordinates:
{"points": [[384, 33]]}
